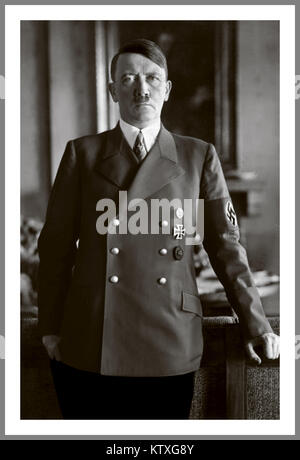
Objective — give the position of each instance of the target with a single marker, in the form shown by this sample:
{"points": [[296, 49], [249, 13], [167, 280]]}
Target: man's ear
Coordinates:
{"points": [[112, 90], [168, 89]]}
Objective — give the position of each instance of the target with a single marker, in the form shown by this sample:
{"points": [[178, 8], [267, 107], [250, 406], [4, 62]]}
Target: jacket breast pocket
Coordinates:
{"points": [[192, 304]]}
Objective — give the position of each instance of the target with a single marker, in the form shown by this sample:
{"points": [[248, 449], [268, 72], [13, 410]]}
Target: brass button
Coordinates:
{"points": [[115, 222], [164, 223], [115, 251], [114, 279], [162, 280], [163, 251], [179, 213]]}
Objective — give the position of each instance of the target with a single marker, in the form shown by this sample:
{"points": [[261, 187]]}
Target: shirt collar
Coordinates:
{"points": [[150, 133]]}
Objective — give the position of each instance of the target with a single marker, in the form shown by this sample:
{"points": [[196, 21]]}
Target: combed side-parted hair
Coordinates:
{"points": [[142, 46]]}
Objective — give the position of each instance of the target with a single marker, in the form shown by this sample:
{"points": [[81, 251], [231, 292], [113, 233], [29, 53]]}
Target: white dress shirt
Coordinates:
{"points": [[150, 133]]}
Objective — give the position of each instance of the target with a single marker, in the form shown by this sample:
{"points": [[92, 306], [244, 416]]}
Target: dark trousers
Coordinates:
{"points": [[87, 395]]}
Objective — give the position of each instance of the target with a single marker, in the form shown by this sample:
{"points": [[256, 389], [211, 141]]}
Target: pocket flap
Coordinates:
{"points": [[192, 304]]}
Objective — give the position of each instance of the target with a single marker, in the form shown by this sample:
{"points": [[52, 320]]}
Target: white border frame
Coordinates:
{"points": [[286, 16]]}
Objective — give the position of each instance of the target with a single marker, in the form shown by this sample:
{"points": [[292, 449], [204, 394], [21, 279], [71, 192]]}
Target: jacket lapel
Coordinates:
{"points": [[158, 169], [115, 164]]}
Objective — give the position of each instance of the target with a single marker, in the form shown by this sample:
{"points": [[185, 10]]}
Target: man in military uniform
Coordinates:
{"points": [[119, 311]]}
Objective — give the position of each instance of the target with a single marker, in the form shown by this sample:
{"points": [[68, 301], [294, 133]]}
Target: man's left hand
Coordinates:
{"points": [[270, 343]]}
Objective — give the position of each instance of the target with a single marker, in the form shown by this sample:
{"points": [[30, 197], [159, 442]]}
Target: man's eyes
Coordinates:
{"points": [[128, 78], [151, 78], [155, 80]]}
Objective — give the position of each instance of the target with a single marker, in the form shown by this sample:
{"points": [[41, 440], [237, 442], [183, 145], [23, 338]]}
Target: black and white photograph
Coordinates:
{"points": [[127, 311]]}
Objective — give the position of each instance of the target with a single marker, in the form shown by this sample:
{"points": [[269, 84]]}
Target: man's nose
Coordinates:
{"points": [[141, 87]]}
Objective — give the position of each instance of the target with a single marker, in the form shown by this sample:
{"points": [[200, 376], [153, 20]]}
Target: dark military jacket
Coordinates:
{"points": [[127, 304]]}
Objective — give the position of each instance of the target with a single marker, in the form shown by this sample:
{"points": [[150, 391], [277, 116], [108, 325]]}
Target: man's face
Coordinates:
{"points": [[140, 88]]}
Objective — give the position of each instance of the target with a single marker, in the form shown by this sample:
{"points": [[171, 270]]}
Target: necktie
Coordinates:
{"points": [[139, 147]]}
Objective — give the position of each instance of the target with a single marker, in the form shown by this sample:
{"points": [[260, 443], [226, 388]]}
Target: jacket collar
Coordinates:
{"points": [[158, 168]]}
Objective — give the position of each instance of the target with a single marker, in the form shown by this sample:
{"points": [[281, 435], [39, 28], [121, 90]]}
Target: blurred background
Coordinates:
{"points": [[226, 91]]}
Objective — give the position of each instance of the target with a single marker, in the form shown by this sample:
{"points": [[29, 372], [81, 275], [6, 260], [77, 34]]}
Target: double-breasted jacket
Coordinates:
{"points": [[126, 303]]}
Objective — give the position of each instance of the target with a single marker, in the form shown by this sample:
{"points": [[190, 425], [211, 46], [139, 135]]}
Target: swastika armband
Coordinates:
{"points": [[230, 213], [220, 217]]}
